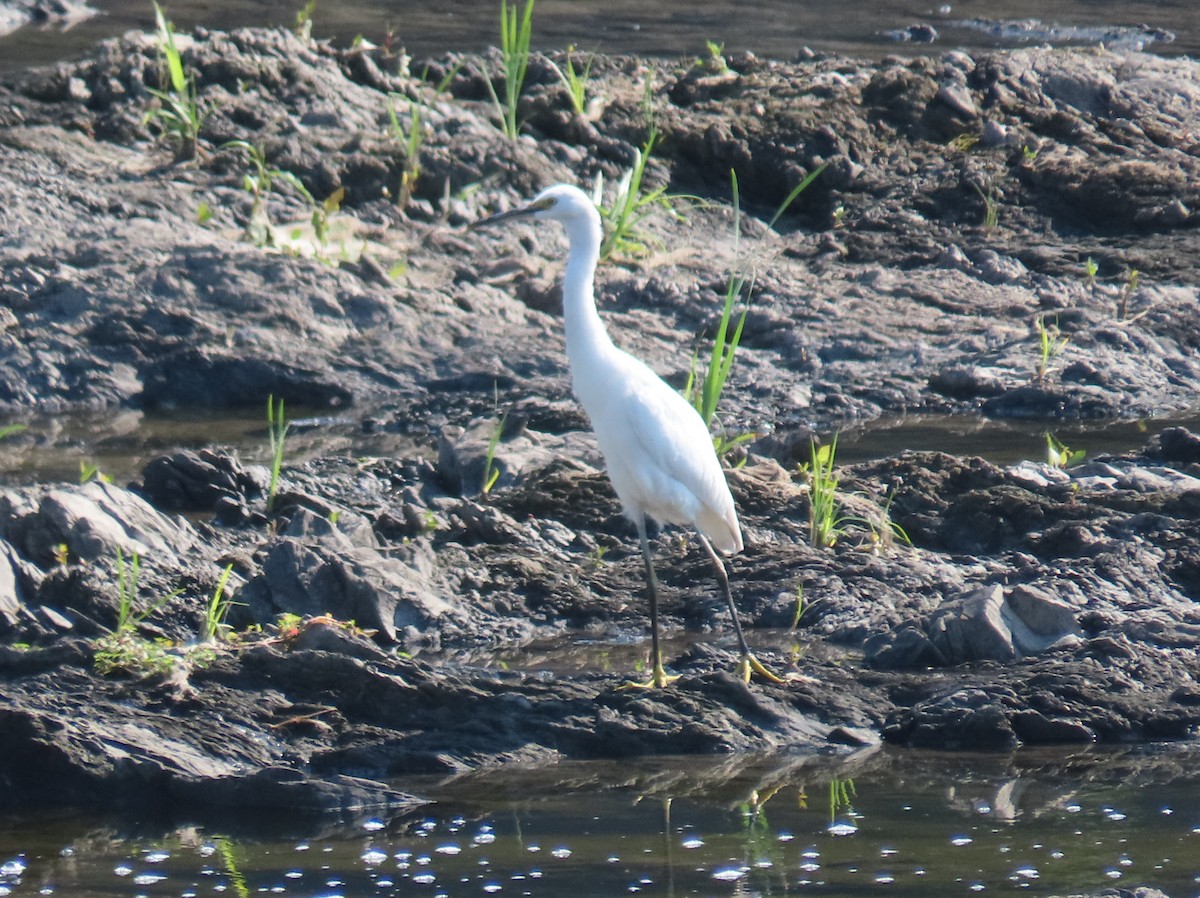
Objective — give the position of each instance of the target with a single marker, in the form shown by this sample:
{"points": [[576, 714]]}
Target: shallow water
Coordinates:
{"points": [[777, 28], [917, 823], [120, 443]]}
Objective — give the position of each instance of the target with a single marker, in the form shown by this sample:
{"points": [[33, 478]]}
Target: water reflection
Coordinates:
{"points": [[919, 824]]}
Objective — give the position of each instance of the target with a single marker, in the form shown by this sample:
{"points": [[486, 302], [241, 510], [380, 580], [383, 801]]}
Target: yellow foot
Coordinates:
{"points": [[750, 665], [659, 680]]}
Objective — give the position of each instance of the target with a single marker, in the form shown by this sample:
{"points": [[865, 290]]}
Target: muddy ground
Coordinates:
{"points": [[962, 201]]}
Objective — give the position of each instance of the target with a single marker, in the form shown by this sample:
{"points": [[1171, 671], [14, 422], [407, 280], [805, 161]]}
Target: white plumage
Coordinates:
{"points": [[658, 453]]}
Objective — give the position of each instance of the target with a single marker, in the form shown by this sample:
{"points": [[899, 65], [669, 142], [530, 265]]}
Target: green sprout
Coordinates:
{"points": [[841, 795], [631, 206], [9, 430], [277, 428], [991, 206], [707, 396], [516, 29], [258, 183], [302, 26], [801, 608], [1090, 270], [1051, 343], [491, 472], [89, 471], [216, 609], [411, 139], [1059, 455], [575, 80], [715, 60], [825, 523], [1128, 289], [123, 649], [799, 189], [178, 113]]}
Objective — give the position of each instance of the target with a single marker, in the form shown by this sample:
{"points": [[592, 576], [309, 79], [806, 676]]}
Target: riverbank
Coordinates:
{"points": [[936, 265]]}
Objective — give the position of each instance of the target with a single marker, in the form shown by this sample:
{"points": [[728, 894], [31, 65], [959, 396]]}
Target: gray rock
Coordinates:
{"points": [[351, 584], [93, 521], [985, 625]]}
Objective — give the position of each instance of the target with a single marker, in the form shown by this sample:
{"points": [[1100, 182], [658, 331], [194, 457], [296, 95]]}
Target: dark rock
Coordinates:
{"points": [[199, 481]]}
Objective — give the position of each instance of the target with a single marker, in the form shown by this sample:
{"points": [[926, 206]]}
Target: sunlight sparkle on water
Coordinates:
{"points": [[729, 874]]}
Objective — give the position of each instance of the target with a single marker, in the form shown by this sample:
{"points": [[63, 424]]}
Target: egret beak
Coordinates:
{"points": [[519, 212]]}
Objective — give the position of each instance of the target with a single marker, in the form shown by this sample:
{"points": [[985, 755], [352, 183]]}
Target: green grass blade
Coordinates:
{"points": [[796, 191]]}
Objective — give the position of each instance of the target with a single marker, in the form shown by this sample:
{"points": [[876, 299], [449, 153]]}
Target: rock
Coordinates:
{"points": [[1175, 444], [984, 625], [958, 98], [198, 481], [349, 583], [93, 521]]}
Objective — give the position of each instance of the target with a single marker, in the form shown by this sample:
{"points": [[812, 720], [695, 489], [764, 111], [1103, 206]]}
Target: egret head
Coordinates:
{"points": [[562, 202]]}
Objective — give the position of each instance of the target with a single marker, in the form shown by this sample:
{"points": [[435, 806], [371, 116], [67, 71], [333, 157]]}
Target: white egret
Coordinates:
{"points": [[658, 452]]}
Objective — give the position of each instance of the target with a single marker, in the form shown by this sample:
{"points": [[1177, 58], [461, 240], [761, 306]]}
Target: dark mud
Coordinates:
{"points": [[1034, 605]]}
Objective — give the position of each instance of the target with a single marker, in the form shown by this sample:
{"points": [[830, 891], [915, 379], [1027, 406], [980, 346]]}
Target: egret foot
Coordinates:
{"points": [[659, 680], [750, 665]]}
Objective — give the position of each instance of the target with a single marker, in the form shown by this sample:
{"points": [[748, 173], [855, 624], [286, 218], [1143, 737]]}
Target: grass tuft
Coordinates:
{"points": [[277, 428], [575, 80], [516, 30], [178, 113]]}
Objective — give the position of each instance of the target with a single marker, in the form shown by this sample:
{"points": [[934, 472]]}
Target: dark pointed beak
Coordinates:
{"points": [[520, 212]]}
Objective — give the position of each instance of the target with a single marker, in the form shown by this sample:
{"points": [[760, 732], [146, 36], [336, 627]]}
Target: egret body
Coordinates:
{"points": [[657, 450]]}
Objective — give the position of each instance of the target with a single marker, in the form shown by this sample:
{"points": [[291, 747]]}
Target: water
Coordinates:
{"points": [[1039, 823], [777, 28], [120, 443]]}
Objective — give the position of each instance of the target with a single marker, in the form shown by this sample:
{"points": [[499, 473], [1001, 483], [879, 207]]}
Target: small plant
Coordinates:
{"points": [[799, 189], [1128, 290], [707, 396], [631, 206], [964, 142], [491, 473], [214, 628], [801, 608], [178, 112], [516, 29], [225, 846], [89, 471], [991, 206], [411, 138], [1090, 270], [575, 80], [258, 183], [715, 60], [1028, 155], [9, 430], [825, 524], [596, 558], [1059, 455], [841, 795], [1051, 343], [304, 21], [277, 428], [123, 649], [62, 554]]}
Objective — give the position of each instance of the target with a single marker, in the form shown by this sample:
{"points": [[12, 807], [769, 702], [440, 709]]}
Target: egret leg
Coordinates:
{"points": [[659, 676], [749, 664]]}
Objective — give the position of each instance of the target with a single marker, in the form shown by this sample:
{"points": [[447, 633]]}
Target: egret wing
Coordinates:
{"points": [[677, 462]]}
